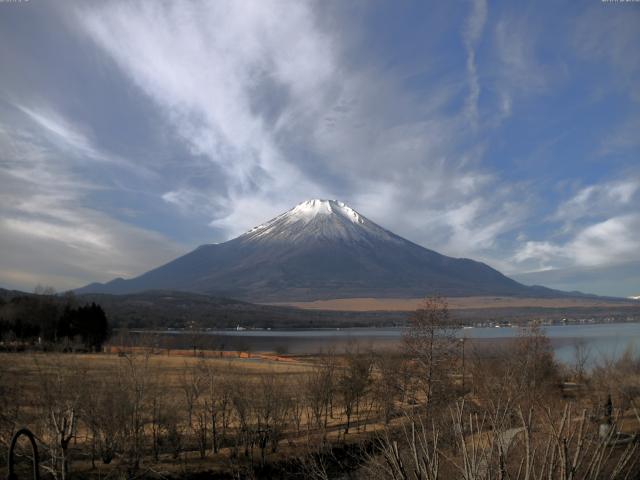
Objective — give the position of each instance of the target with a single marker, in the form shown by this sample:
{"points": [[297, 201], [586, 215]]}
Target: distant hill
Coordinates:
{"points": [[321, 249], [172, 309], [184, 310]]}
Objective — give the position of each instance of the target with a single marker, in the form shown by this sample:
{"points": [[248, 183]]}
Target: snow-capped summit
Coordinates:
{"points": [[311, 208], [318, 219], [317, 250]]}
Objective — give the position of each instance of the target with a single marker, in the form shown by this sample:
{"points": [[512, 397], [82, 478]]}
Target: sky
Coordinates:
{"points": [[507, 132]]}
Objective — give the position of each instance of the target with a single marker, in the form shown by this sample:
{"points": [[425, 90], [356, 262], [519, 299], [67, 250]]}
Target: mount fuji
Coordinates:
{"points": [[321, 249]]}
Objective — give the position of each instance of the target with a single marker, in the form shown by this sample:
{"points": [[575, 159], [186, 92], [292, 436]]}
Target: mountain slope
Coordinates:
{"points": [[321, 249]]}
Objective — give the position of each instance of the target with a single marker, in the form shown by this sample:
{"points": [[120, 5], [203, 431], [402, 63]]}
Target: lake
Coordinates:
{"points": [[606, 340]]}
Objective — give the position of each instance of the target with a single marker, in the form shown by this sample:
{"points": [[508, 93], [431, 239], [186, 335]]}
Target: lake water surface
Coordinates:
{"points": [[603, 341]]}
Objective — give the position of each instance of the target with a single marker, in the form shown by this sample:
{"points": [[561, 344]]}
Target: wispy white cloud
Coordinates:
{"points": [[599, 200], [76, 142], [624, 138], [543, 253], [472, 33], [519, 71], [259, 106], [46, 232], [213, 68], [611, 36], [609, 242], [96, 248], [598, 225]]}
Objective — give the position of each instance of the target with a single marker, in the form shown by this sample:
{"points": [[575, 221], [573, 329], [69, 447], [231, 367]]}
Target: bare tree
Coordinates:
{"points": [[105, 416], [156, 409], [387, 384], [60, 394], [430, 341], [320, 389], [172, 426], [581, 355], [216, 404], [486, 446], [297, 402], [280, 411], [224, 396], [196, 390], [134, 379], [271, 412], [535, 363], [242, 402], [353, 381]]}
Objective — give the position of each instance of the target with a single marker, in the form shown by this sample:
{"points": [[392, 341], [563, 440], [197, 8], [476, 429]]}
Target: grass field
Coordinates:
{"points": [[178, 381], [158, 413], [455, 303]]}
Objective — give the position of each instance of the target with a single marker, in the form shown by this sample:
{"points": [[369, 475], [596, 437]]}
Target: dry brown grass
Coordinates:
{"points": [[21, 375], [455, 303], [21, 371]]}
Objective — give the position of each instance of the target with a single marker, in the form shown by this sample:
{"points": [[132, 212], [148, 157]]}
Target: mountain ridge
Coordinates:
{"points": [[317, 250]]}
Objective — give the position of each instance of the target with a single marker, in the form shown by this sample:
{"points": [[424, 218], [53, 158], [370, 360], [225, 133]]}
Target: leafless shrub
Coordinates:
{"points": [[542, 445], [195, 389], [431, 342], [134, 377], [320, 390], [581, 357], [353, 382], [388, 385], [60, 391], [105, 418]]}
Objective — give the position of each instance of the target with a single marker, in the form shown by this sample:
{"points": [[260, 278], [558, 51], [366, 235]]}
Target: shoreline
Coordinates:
{"points": [[603, 337]]}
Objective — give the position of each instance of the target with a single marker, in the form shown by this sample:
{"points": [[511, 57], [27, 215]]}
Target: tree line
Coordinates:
{"points": [[48, 319]]}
